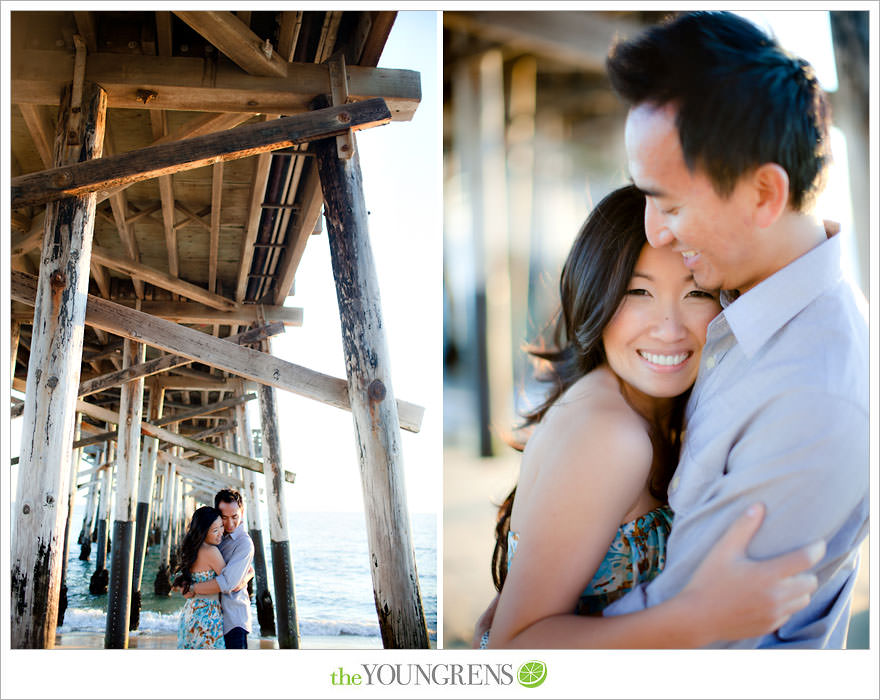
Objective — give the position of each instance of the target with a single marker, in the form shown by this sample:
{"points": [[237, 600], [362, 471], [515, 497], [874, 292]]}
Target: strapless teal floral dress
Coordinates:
{"points": [[636, 555], [201, 620]]}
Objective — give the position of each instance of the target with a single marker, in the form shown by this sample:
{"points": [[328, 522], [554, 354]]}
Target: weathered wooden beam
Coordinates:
{"points": [[85, 25], [53, 377], [313, 200], [261, 176], [181, 83], [125, 511], [153, 161], [288, 33], [214, 239], [198, 346], [161, 279], [205, 382], [21, 244], [166, 193], [41, 130], [395, 581], [195, 313], [187, 467], [166, 362], [205, 410], [235, 39]]}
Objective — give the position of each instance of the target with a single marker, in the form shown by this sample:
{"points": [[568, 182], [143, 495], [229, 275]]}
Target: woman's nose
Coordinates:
{"points": [[668, 327]]}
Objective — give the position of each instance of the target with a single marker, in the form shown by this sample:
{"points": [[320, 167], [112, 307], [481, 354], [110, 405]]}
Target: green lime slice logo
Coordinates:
{"points": [[531, 674]]}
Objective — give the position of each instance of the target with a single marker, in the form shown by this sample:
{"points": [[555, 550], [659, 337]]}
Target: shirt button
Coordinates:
{"points": [[674, 484], [710, 362]]}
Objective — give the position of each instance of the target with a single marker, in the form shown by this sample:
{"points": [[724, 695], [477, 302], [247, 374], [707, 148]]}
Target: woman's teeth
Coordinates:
{"points": [[667, 360]]}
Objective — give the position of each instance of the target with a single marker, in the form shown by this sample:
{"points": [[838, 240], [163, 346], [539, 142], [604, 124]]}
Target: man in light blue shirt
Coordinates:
{"points": [[237, 550], [727, 136]]}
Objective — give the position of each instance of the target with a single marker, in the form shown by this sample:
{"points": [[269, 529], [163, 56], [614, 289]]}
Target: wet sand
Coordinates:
{"points": [[89, 640]]}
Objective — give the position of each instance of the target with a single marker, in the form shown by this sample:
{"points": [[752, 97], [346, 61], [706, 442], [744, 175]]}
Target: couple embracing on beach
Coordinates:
{"points": [[698, 473], [214, 567]]}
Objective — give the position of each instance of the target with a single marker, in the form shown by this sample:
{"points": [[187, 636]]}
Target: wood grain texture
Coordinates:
{"points": [[168, 158], [201, 347]]}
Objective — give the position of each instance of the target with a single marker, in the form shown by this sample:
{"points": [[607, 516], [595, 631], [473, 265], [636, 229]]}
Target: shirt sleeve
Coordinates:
{"points": [[242, 554], [804, 454]]}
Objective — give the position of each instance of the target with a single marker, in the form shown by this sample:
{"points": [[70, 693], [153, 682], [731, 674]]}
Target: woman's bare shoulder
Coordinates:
{"points": [[591, 416]]}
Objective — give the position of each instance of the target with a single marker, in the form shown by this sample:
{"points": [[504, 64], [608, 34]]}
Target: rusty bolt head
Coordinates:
{"points": [[376, 390], [52, 382], [62, 179], [26, 509], [57, 279], [343, 117]]}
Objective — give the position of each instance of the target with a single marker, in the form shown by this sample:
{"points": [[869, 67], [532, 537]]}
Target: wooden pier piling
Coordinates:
{"points": [[395, 581], [265, 610], [53, 378], [127, 468], [279, 539], [146, 483], [162, 582]]}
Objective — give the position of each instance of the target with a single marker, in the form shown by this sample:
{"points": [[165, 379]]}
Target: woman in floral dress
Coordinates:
{"points": [[201, 620]]}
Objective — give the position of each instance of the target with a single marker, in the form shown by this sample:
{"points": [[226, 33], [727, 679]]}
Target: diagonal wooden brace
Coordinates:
{"points": [[164, 159]]}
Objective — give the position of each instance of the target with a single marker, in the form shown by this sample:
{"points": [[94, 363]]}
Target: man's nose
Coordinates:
{"points": [[655, 226]]}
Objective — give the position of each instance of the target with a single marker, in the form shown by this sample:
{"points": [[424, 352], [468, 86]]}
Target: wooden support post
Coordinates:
{"points": [[13, 347], [146, 480], [53, 376], [100, 576], [71, 498], [85, 534], [127, 467], [244, 439], [162, 583], [395, 581], [279, 544]]}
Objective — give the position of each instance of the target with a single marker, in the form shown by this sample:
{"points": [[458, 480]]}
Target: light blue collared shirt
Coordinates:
{"points": [[779, 414], [238, 551]]}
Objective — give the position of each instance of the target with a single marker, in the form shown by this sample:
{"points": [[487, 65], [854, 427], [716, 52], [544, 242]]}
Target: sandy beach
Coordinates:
{"points": [[86, 640], [472, 487]]}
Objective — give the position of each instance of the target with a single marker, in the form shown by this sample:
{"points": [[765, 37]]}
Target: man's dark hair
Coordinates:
{"points": [[742, 99], [228, 496]]}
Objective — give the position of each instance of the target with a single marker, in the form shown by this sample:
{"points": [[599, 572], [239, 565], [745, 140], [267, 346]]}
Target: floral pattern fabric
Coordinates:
{"points": [[636, 555], [201, 620]]}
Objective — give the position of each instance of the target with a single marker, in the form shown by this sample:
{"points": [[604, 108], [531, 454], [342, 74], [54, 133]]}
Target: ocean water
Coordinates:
{"points": [[332, 583]]}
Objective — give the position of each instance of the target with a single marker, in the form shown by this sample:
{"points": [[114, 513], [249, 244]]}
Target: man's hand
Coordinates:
{"points": [[248, 575], [484, 622]]}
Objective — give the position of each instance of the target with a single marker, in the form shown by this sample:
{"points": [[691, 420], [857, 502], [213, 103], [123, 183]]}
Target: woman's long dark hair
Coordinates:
{"points": [[199, 525], [594, 280]]}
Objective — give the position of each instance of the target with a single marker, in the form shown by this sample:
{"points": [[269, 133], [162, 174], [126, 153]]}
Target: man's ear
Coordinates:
{"points": [[771, 187]]}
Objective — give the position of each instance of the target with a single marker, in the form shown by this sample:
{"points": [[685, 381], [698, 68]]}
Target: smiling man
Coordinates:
{"points": [[727, 136], [237, 550]]}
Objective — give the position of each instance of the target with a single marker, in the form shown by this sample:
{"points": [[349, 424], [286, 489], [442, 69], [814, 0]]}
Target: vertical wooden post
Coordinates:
{"points": [[13, 347], [162, 583], [146, 481], [265, 612], [71, 499], [85, 535], [282, 562], [131, 402], [98, 582], [395, 581], [53, 380], [478, 100]]}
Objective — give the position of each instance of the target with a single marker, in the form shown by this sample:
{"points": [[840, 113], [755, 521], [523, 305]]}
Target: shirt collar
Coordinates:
{"points": [[759, 313], [236, 533]]}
